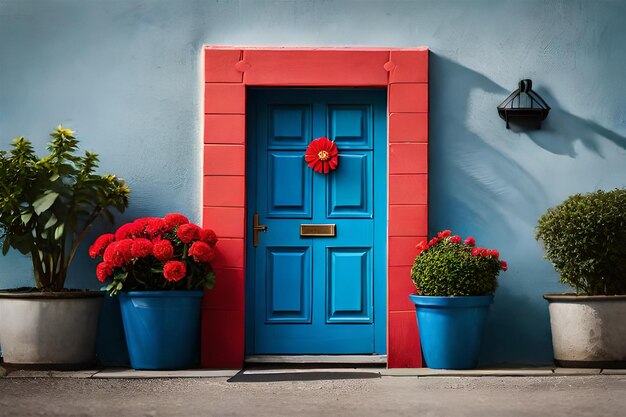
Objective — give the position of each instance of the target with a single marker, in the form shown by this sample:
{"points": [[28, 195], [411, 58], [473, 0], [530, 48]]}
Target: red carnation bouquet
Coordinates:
{"points": [[156, 254]]}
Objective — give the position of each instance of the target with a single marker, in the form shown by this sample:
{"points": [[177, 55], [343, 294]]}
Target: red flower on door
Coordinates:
{"points": [[322, 155]]}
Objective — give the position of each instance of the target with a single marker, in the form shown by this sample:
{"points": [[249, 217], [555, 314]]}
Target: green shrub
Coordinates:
{"points": [[48, 204], [447, 267], [585, 239]]}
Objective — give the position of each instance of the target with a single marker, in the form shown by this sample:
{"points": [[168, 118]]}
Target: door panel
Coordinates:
{"points": [[349, 284], [350, 126], [350, 188], [289, 126], [317, 295], [288, 285], [289, 196]]}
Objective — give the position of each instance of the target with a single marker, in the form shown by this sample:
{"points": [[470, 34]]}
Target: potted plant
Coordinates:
{"points": [[585, 239], [47, 207], [455, 281], [159, 268]]}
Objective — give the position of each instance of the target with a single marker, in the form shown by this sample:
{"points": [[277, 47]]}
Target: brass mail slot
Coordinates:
{"points": [[318, 230]]}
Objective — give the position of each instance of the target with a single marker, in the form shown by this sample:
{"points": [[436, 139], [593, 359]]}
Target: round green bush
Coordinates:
{"points": [[585, 239], [447, 267]]}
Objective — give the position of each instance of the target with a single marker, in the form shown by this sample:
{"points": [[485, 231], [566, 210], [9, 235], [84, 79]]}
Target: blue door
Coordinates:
{"points": [[316, 294]]}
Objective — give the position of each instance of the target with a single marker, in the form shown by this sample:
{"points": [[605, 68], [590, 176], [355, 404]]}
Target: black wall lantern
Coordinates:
{"points": [[524, 107]]}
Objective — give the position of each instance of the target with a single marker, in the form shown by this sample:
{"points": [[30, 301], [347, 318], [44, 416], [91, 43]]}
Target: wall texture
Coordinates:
{"points": [[126, 76]]}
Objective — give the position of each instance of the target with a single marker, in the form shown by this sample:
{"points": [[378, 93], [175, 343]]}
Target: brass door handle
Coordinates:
{"points": [[256, 228]]}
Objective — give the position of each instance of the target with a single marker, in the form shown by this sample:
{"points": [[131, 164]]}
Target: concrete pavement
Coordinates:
{"points": [[315, 392]]}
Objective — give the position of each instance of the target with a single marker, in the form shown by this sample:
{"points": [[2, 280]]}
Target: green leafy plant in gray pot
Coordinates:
{"points": [[585, 239], [47, 207]]}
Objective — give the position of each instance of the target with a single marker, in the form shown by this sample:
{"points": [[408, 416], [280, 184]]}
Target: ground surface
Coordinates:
{"points": [[317, 395]]}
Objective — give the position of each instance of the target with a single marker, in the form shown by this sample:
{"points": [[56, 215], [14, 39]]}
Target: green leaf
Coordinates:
{"points": [[108, 216], [120, 286], [5, 246], [209, 280], [120, 276], [44, 202], [51, 222], [26, 217], [22, 243], [54, 177], [59, 231]]}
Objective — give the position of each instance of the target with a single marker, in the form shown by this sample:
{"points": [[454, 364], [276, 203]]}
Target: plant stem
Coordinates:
{"points": [[37, 268], [83, 233]]}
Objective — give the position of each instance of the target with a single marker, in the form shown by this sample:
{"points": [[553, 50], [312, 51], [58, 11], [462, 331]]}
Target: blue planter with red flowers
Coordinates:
{"points": [[451, 329], [160, 268], [111, 347], [162, 328]]}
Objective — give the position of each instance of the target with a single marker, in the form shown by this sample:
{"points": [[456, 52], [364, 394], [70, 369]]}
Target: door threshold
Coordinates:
{"points": [[321, 359]]}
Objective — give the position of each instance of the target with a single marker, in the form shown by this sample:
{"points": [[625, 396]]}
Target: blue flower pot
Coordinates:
{"points": [[162, 328], [451, 329], [111, 347]]}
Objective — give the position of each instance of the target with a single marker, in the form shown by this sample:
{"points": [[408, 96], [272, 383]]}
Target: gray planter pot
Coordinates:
{"points": [[588, 331], [49, 328]]}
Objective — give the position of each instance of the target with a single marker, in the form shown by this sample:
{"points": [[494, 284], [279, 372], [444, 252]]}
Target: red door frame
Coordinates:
{"points": [[227, 73]]}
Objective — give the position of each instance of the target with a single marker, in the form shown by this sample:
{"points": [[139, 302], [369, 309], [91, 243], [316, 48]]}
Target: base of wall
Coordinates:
{"points": [[321, 359]]}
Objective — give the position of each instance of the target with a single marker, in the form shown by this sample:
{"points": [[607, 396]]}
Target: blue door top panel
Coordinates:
{"points": [[350, 125], [288, 126]]}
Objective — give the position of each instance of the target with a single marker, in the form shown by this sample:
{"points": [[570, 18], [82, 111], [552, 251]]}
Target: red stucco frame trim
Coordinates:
{"points": [[228, 71]]}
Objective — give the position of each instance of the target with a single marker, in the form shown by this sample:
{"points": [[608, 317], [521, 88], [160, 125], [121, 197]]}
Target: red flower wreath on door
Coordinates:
{"points": [[322, 155]]}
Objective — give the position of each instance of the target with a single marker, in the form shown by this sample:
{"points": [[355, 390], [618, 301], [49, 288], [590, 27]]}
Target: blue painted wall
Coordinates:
{"points": [[126, 76]]}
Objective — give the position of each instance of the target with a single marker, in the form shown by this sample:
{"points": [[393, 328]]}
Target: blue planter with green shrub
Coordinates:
{"points": [[455, 281]]}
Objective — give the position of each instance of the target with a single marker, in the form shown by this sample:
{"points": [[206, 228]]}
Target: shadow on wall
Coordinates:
{"points": [[476, 176], [561, 130], [476, 189]]}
